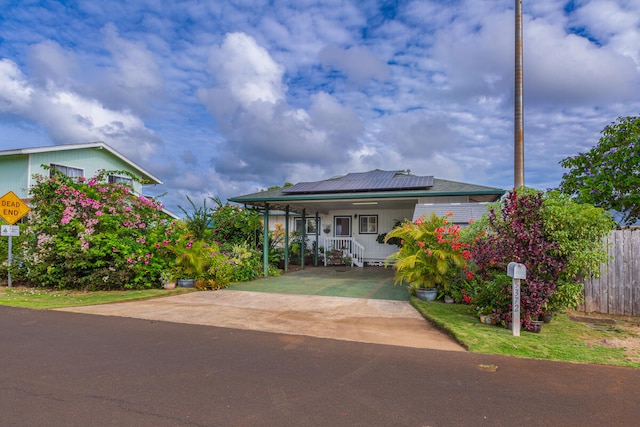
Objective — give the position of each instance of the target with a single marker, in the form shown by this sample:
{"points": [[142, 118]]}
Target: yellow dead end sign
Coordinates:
{"points": [[12, 208]]}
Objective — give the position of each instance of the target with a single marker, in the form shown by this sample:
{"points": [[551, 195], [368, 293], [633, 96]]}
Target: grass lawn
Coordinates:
{"points": [[570, 337], [37, 298]]}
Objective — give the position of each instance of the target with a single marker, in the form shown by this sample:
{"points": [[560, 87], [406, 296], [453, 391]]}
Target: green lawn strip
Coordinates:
{"points": [[562, 339], [37, 298]]}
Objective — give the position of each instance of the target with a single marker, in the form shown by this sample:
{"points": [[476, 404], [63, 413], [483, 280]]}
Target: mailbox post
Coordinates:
{"points": [[517, 272]]}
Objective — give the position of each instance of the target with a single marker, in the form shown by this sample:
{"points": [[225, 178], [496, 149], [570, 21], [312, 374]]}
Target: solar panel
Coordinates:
{"points": [[364, 181]]}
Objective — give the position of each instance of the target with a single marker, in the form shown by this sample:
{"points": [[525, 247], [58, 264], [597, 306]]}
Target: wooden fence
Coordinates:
{"points": [[617, 290]]}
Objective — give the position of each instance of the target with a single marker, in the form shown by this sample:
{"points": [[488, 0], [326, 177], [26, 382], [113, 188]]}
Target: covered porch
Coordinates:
{"points": [[349, 215]]}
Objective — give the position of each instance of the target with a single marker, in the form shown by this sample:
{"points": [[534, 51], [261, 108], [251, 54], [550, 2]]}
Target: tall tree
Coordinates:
{"points": [[608, 175]]}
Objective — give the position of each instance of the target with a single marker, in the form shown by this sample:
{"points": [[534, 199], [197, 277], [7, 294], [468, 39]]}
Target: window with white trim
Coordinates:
{"points": [[368, 224], [115, 179], [66, 170]]}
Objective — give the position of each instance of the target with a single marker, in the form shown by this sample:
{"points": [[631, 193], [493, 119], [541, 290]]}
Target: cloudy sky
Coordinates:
{"points": [[223, 98]]}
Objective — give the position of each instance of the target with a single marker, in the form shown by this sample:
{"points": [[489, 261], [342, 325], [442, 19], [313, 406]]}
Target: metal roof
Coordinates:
{"points": [[376, 180], [384, 199]]}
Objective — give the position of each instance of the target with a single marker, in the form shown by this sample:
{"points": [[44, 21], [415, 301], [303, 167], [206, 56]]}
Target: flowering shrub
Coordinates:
{"points": [[517, 234], [90, 234], [431, 253], [233, 225], [556, 239]]}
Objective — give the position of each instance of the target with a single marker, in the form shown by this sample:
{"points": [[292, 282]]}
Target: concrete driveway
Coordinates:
{"points": [[351, 319]]}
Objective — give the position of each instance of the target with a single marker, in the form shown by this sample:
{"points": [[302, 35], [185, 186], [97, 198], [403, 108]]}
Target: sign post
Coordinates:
{"points": [[12, 208], [517, 272]]}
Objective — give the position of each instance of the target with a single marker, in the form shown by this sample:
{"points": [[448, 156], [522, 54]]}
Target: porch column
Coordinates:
{"points": [[304, 238], [286, 239], [265, 241], [317, 234]]}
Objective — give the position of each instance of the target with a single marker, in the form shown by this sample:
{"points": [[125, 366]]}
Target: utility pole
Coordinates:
{"points": [[518, 142]]}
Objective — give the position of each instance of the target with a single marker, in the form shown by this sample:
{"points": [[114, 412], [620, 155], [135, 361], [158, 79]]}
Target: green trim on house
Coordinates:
{"points": [[439, 188]]}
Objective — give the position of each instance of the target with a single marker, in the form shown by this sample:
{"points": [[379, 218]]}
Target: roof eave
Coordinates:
{"points": [[351, 196]]}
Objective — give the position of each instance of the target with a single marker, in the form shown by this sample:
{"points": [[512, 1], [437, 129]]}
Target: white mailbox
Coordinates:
{"points": [[516, 270]]}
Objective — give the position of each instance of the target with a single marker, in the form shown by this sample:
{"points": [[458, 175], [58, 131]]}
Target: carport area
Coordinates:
{"points": [[335, 281], [344, 303]]}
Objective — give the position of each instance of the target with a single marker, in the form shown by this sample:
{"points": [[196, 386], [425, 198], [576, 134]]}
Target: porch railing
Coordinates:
{"points": [[345, 247]]}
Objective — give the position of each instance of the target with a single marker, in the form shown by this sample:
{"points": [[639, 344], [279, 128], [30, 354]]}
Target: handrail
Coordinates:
{"points": [[348, 245]]}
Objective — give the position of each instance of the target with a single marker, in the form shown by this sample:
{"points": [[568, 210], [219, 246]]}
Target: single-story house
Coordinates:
{"points": [[349, 212], [18, 166]]}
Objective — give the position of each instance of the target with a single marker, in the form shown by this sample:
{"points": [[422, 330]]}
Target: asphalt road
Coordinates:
{"points": [[70, 369]]}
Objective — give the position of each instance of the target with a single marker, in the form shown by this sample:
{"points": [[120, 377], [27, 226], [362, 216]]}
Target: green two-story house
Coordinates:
{"points": [[18, 166]]}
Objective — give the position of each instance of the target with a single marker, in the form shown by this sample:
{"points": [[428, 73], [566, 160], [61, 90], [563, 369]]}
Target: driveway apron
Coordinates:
{"points": [[278, 307]]}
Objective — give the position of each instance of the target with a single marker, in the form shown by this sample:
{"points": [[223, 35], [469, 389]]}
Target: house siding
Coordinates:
{"points": [[14, 175], [90, 160], [386, 220]]}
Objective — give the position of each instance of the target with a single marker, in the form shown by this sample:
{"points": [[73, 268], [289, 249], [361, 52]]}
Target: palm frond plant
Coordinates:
{"points": [[430, 255]]}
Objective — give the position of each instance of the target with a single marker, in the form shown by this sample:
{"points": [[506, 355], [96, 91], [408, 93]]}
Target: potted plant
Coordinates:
{"points": [[167, 280], [192, 261], [429, 257]]}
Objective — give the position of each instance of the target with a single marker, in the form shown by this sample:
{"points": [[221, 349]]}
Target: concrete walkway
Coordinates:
{"points": [[351, 319]]}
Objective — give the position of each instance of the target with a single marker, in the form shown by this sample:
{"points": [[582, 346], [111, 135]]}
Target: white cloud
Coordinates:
{"points": [[261, 128], [48, 61], [246, 71], [244, 95], [566, 68], [357, 63], [134, 79], [71, 118], [15, 92]]}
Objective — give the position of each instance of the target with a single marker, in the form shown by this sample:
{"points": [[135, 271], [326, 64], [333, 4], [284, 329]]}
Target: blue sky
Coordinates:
{"points": [[221, 98]]}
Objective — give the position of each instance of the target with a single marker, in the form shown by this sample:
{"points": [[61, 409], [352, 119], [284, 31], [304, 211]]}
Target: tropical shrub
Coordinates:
{"points": [[232, 225], [557, 240], [493, 297], [568, 295], [91, 234], [431, 253], [517, 235], [197, 221], [208, 263], [247, 262], [193, 257], [298, 247], [578, 228]]}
